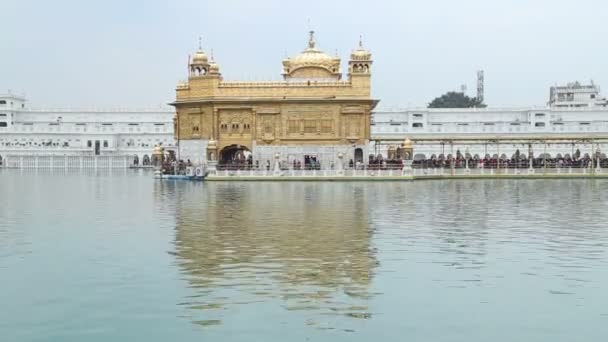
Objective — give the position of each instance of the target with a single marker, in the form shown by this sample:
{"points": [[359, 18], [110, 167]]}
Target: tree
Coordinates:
{"points": [[454, 99]]}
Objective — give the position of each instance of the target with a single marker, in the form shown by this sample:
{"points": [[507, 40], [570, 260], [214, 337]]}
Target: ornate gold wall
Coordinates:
{"points": [[311, 106]]}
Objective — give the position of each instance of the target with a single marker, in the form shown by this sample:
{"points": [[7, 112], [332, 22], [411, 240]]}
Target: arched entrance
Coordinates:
{"points": [[145, 160], [236, 156], [135, 160], [358, 155]]}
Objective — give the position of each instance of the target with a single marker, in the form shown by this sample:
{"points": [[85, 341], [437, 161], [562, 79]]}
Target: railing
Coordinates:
{"points": [[268, 84], [427, 170], [309, 173], [415, 173], [548, 171], [66, 162]]}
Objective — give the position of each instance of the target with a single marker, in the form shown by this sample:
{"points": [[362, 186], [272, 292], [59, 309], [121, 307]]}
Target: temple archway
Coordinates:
{"points": [[358, 155], [235, 155]]}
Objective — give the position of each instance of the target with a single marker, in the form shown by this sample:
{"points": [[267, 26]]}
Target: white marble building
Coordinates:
{"points": [[576, 95], [70, 132], [552, 129]]}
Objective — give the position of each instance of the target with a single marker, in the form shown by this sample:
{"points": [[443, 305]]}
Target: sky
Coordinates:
{"points": [[117, 54]]}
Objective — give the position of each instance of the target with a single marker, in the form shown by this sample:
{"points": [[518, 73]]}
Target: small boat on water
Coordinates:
{"points": [[192, 173]]}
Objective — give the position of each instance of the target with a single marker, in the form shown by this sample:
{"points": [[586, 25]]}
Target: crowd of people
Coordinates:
{"points": [[517, 160], [457, 161]]}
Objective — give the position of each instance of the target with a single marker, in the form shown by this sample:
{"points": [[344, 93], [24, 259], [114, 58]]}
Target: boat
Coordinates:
{"points": [[193, 173]]}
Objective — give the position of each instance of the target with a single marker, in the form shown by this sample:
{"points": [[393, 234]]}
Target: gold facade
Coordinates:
{"points": [[311, 106]]}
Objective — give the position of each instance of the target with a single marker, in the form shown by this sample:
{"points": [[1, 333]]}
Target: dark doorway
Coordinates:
{"points": [[235, 155], [97, 147], [358, 155]]}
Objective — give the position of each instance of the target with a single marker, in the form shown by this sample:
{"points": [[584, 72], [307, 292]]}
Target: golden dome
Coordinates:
{"points": [[200, 57], [312, 57], [407, 143], [360, 54], [212, 144]]}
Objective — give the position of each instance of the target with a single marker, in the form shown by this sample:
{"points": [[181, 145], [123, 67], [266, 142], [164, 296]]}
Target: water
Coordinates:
{"points": [[120, 256]]}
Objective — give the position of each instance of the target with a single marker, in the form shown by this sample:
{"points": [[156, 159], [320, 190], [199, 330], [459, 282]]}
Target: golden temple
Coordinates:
{"points": [[311, 112]]}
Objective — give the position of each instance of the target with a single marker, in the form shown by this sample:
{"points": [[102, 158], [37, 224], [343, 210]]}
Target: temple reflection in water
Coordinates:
{"points": [[312, 255]]}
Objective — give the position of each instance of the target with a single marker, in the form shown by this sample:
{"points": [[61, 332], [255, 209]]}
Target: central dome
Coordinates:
{"points": [[312, 63], [312, 57]]}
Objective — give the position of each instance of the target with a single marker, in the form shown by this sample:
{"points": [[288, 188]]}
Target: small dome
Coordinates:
{"points": [[212, 144], [200, 57], [213, 67], [360, 54]]}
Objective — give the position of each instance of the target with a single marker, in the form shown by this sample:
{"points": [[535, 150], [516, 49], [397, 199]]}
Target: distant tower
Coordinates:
{"points": [[480, 91]]}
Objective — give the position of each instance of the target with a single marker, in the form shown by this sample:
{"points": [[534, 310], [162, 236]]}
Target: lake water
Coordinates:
{"points": [[123, 257]]}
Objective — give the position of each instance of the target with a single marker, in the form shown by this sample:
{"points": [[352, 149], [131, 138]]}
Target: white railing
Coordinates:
{"points": [[66, 162], [550, 171], [415, 173], [309, 173]]}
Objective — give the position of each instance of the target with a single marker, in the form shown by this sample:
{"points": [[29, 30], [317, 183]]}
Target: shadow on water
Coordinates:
{"points": [[301, 246]]}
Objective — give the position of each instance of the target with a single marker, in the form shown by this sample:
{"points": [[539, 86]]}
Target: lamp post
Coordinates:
{"points": [[598, 156], [466, 159], [530, 158], [408, 151], [498, 155], [277, 166]]}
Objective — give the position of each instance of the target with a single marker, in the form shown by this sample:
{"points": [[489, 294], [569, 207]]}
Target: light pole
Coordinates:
{"points": [[598, 156], [530, 158], [466, 159]]}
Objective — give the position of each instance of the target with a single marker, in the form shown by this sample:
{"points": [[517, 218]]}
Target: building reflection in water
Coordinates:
{"points": [[303, 246]]}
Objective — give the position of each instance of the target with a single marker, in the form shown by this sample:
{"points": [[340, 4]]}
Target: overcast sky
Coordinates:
{"points": [[118, 53]]}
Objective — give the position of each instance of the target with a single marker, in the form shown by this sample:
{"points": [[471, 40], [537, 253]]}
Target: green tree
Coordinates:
{"points": [[454, 99]]}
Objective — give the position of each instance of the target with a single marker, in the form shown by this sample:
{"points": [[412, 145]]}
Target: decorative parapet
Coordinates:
{"points": [[238, 84], [182, 85]]}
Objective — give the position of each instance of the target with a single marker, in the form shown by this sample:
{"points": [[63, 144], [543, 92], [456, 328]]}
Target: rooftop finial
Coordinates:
{"points": [[212, 55], [361, 41], [311, 40], [200, 42]]}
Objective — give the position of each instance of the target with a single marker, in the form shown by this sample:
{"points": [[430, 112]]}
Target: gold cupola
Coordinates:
{"points": [[311, 63], [214, 68], [199, 66], [360, 60], [361, 54]]}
